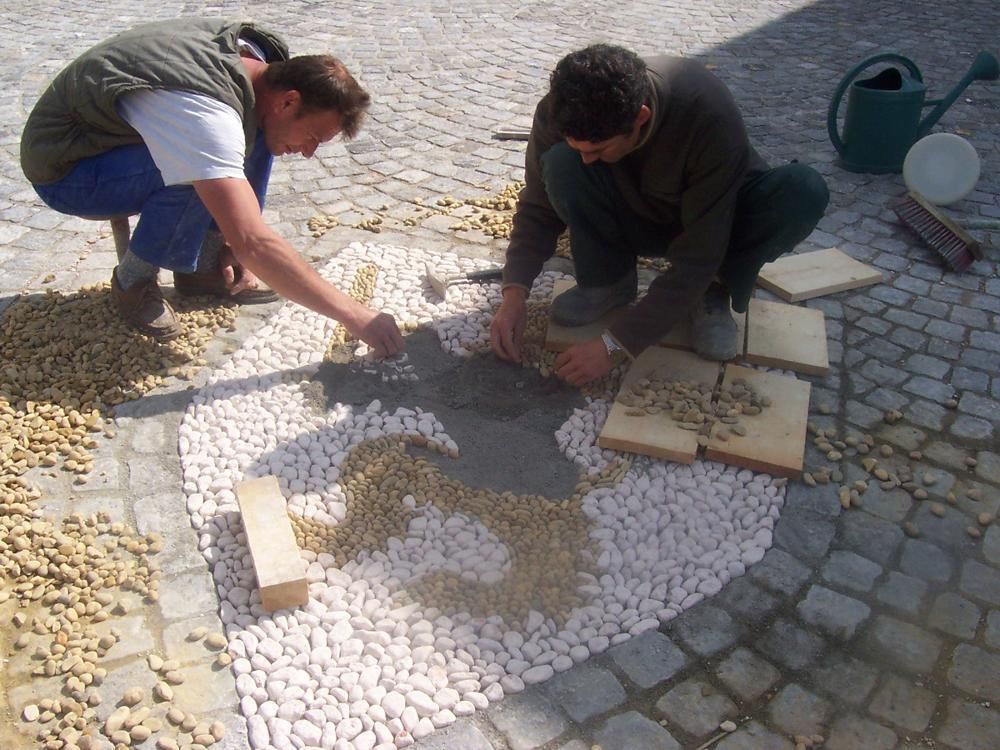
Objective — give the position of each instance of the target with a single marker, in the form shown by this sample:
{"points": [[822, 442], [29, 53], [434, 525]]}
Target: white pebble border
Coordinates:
{"points": [[356, 670]]}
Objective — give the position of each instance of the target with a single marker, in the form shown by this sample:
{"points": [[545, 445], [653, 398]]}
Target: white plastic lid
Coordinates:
{"points": [[942, 167]]}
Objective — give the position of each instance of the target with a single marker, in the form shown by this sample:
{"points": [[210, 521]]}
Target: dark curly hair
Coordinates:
{"points": [[324, 83], [596, 92]]}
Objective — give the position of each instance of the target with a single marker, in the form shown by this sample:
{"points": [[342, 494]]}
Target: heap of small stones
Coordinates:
{"points": [[696, 406], [430, 599], [67, 361], [881, 464]]}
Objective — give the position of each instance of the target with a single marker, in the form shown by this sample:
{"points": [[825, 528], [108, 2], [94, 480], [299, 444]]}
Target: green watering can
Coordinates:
{"points": [[883, 112]]}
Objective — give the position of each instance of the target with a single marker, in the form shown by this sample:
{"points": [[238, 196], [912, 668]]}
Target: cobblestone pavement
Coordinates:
{"points": [[849, 628]]}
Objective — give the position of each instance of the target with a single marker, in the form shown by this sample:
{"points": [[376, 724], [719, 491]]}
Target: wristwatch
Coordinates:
{"points": [[615, 352]]}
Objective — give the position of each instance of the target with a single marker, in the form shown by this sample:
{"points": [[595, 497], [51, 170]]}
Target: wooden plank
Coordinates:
{"points": [[560, 338], [787, 336], [657, 434], [281, 572], [807, 275], [776, 438]]}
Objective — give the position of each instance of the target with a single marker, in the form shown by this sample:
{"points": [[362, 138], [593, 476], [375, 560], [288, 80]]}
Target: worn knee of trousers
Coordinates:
{"points": [[571, 185], [806, 189]]}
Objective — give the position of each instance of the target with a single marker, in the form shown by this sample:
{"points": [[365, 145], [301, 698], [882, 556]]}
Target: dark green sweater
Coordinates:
{"points": [[76, 118], [685, 173]]}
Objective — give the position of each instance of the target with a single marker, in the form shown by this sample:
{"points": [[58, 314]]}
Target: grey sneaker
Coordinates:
{"points": [[582, 305], [713, 330]]}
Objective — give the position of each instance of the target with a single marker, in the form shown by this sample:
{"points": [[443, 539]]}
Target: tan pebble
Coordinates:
{"points": [[808, 478], [869, 464], [920, 493], [863, 448], [198, 633], [911, 529], [951, 499], [974, 494], [951, 404], [121, 737], [885, 450], [167, 743], [153, 724], [133, 696], [173, 677], [971, 462], [169, 665], [825, 409], [881, 474], [216, 641], [217, 730], [188, 723], [174, 715], [973, 531], [140, 733], [204, 739], [937, 509], [728, 726], [163, 692], [985, 519], [834, 455], [155, 662]]}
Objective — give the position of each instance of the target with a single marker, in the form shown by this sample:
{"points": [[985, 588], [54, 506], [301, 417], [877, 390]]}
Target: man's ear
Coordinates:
{"points": [[289, 101], [643, 117]]}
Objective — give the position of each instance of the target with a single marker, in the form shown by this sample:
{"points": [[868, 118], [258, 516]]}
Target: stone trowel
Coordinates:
{"points": [[440, 282]]}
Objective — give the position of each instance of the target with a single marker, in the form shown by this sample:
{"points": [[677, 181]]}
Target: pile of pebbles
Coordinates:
{"points": [[67, 361], [430, 599]]}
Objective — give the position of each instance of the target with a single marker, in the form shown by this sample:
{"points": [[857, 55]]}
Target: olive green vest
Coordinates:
{"points": [[75, 118]]}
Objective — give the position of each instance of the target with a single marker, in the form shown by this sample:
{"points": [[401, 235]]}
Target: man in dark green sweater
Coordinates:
{"points": [[178, 121], [647, 158]]}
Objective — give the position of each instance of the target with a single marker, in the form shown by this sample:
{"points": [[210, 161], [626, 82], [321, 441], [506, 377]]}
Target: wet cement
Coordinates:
{"points": [[501, 415]]}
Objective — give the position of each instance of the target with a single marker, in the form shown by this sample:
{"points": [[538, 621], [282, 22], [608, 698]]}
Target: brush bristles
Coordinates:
{"points": [[956, 248]]}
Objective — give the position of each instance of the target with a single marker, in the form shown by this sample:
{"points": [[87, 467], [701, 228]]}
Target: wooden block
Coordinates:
{"points": [[281, 572], [657, 434], [560, 338], [776, 438], [787, 336], [807, 275]]}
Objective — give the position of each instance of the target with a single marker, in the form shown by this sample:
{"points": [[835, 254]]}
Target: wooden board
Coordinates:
{"points": [[787, 336], [281, 573], [807, 275], [776, 438], [657, 435], [560, 338]]}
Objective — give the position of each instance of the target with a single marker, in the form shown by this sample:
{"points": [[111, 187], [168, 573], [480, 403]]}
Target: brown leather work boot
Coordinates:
{"points": [[212, 284], [144, 308]]}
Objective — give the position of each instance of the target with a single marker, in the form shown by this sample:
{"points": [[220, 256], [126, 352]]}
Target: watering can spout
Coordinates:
{"points": [[984, 68]]}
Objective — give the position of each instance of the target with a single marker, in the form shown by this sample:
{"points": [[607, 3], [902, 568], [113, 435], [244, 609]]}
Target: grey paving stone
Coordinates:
{"points": [[462, 735], [803, 534], [981, 582], [746, 674], [706, 629], [696, 707], [975, 671], [187, 595], [527, 720], [849, 570], [902, 592], [790, 645], [648, 659], [585, 692], [848, 679], [925, 560], [836, 615], [874, 538], [988, 466], [926, 414], [906, 646], [743, 599], [992, 632], [954, 615], [795, 710], [969, 726], [904, 704], [206, 689], [571, 745], [636, 732], [971, 428], [754, 736], [856, 733]]}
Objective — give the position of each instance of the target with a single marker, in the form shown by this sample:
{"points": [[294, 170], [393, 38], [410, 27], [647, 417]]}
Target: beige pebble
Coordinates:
{"points": [[163, 692], [974, 494], [911, 529], [167, 743], [917, 455], [937, 509], [885, 450], [974, 532], [173, 677], [728, 726], [155, 662], [217, 730], [140, 733], [971, 462], [951, 404], [985, 519], [133, 696], [175, 716], [929, 478], [198, 633], [223, 659], [216, 641], [920, 494]]}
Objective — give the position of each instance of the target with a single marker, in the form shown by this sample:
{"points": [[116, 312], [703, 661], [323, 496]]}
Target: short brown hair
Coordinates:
{"points": [[324, 83]]}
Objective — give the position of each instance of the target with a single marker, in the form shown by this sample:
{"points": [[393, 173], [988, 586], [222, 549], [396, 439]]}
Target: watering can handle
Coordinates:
{"points": [[831, 114]]}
